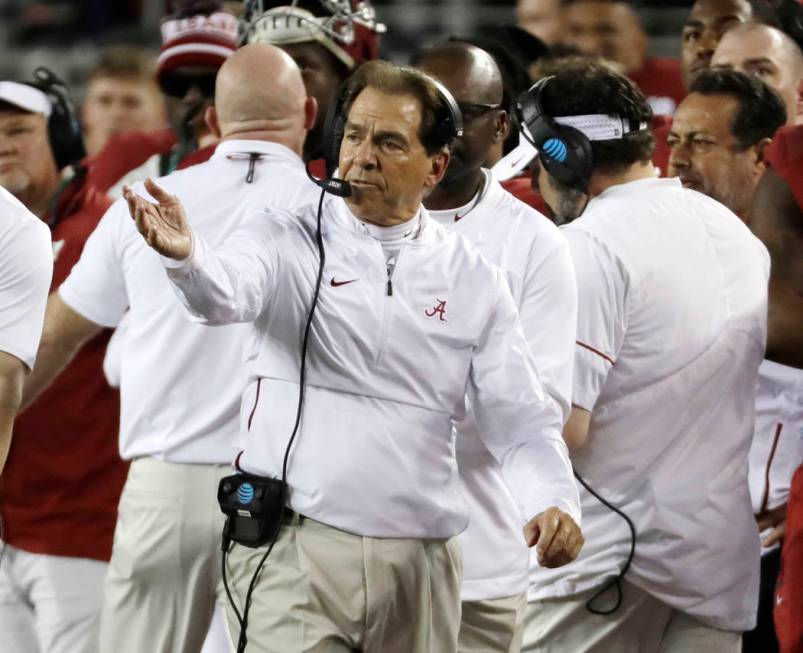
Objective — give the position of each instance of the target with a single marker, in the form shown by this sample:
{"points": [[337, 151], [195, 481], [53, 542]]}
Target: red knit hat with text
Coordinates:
{"points": [[197, 33], [785, 155]]}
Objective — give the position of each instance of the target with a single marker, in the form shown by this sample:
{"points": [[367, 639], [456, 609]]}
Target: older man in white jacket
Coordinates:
{"points": [[410, 317]]}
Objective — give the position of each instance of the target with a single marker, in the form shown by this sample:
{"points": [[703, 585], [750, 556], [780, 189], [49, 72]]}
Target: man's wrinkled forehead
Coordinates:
{"points": [[9, 112], [699, 113], [374, 107]]}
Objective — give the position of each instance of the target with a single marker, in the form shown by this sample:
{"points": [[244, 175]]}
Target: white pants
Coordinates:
{"points": [[218, 639], [49, 604], [642, 624], [164, 576]]}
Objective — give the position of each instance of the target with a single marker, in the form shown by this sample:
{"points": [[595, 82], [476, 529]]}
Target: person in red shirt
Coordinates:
{"points": [[788, 596], [60, 488], [121, 96], [611, 29], [196, 39], [777, 219]]}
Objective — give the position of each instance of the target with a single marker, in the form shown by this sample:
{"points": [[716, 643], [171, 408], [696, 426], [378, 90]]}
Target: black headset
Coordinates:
{"points": [[564, 152], [63, 126], [449, 125]]}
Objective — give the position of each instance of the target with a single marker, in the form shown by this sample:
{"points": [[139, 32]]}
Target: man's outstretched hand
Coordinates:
{"points": [[164, 224], [556, 537]]}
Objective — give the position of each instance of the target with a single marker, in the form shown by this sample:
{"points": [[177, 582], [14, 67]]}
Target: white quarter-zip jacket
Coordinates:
{"points": [[537, 266], [391, 357]]}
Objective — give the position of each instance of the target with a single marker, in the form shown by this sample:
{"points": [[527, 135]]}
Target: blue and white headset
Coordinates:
{"points": [[564, 143]]}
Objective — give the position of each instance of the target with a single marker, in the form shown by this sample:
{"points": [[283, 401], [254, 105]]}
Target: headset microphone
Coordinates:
{"points": [[332, 185]]}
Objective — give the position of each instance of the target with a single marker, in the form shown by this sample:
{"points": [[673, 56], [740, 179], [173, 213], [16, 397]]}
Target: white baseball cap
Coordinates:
{"points": [[25, 97]]}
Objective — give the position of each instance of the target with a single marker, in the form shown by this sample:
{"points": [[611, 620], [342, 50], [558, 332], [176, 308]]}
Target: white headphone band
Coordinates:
{"points": [[600, 126]]}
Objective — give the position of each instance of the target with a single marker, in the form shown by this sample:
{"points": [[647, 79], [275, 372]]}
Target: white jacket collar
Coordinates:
{"points": [[343, 216]]}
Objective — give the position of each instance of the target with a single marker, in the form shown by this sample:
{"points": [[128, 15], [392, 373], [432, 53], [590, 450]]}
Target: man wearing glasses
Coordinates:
{"points": [[536, 263]]}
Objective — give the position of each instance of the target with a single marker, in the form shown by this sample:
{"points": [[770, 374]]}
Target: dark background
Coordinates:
{"points": [[66, 35]]}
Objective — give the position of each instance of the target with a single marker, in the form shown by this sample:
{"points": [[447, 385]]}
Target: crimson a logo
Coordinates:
{"points": [[439, 309]]}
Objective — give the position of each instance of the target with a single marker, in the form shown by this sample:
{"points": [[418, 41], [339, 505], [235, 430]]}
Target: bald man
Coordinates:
{"points": [[538, 269], [181, 382], [770, 55]]}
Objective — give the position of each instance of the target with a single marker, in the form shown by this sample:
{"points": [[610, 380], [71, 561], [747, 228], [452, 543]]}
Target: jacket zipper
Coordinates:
{"points": [[389, 287], [383, 334]]}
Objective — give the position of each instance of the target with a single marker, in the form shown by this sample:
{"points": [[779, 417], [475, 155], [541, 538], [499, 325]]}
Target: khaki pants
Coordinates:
{"points": [[164, 576], [642, 624], [323, 590], [492, 626]]}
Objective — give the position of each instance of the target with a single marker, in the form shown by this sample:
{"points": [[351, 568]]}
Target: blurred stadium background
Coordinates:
{"points": [[67, 35]]}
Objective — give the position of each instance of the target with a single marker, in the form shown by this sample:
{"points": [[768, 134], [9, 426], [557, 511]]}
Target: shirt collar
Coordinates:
{"points": [[626, 187], [239, 148]]}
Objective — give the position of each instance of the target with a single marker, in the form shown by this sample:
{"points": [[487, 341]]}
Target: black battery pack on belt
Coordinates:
{"points": [[253, 506]]}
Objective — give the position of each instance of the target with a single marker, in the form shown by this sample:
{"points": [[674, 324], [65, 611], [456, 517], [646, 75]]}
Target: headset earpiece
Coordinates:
{"points": [[64, 129], [333, 128], [450, 125], [564, 152]]}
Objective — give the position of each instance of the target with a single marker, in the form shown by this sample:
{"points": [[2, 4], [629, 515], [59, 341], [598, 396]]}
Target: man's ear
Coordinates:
{"points": [[760, 164], [211, 119], [438, 165], [310, 112], [798, 119], [502, 126]]}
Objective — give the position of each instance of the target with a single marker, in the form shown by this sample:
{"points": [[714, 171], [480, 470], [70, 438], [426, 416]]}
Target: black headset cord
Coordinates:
{"points": [[243, 620], [616, 581]]}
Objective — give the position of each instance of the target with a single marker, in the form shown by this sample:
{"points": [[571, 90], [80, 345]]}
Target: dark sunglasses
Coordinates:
{"points": [[177, 85], [473, 110]]}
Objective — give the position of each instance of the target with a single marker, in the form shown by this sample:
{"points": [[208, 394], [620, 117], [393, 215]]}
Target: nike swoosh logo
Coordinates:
{"points": [[335, 284]]}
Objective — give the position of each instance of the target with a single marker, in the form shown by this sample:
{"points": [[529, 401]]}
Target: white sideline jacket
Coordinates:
{"points": [[387, 371]]}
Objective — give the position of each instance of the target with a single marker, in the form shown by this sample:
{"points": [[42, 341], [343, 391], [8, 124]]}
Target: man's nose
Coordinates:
{"points": [[365, 155], [678, 159], [587, 44], [707, 44], [6, 146]]}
